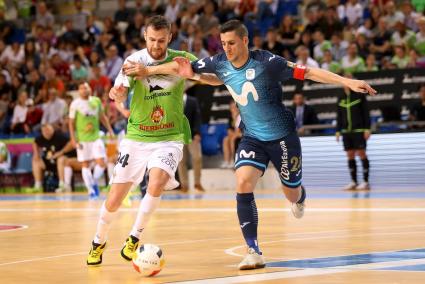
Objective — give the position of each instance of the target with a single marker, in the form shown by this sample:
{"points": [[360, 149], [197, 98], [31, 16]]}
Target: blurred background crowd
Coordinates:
{"points": [[48, 47]]}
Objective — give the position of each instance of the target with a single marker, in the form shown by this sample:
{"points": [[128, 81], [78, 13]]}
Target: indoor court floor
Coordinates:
{"points": [[344, 237]]}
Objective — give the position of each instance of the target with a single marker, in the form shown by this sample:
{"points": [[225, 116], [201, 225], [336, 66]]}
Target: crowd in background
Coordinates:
{"points": [[44, 55]]}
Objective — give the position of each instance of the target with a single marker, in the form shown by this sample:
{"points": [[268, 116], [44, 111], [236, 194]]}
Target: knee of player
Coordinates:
{"points": [[245, 184]]}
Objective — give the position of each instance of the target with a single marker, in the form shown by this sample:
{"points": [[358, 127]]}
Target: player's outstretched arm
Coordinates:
{"points": [[324, 76], [185, 70]]}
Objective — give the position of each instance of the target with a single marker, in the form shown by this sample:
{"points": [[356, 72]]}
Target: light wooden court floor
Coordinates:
{"points": [[343, 238]]}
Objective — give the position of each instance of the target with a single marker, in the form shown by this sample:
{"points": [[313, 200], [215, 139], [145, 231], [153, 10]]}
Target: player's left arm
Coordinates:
{"points": [[324, 76], [105, 121]]}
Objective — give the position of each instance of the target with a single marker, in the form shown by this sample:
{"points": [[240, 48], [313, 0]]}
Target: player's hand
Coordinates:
{"points": [[118, 94], [185, 69], [360, 86], [366, 135], [111, 134], [197, 138], [337, 136], [74, 143], [135, 69]]}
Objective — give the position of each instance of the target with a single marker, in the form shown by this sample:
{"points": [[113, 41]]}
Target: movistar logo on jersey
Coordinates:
{"points": [[242, 98]]}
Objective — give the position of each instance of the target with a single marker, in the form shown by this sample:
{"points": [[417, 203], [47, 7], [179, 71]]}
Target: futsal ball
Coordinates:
{"points": [[148, 260]]}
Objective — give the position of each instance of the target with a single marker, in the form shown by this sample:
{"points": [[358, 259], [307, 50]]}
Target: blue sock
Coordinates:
{"points": [[248, 219], [303, 195]]}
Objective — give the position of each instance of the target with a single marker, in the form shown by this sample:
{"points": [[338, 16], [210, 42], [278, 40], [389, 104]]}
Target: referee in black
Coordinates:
{"points": [[353, 123]]}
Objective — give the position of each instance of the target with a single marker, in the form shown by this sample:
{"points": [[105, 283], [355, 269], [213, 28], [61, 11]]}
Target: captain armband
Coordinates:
{"points": [[299, 70]]}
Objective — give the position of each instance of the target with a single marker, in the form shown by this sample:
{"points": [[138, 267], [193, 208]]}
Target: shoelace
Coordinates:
{"points": [[131, 246], [95, 252]]}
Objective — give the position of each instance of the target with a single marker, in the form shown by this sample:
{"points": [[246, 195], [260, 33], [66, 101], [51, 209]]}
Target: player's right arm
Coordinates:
{"points": [[181, 66]]}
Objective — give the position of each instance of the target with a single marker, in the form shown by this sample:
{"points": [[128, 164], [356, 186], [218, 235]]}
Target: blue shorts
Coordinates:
{"points": [[285, 154]]}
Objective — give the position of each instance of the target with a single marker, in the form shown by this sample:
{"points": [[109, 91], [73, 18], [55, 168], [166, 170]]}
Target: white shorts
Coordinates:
{"points": [[88, 151], [134, 157]]}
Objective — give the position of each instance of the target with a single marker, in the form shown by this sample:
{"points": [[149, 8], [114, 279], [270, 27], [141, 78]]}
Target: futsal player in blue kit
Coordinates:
{"points": [[254, 79]]}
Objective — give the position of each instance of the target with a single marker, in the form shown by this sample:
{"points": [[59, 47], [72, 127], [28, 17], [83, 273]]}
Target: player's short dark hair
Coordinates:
{"points": [[158, 22], [234, 25]]}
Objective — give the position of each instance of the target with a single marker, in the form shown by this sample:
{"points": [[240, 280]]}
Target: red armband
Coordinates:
{"points": [[299, 72]]}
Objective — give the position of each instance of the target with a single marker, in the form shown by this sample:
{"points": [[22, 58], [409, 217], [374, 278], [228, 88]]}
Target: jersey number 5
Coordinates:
{"points": [[123, 159]]}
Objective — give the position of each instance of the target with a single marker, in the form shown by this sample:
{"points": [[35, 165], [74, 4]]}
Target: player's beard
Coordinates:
{"points": [[157, 54]]}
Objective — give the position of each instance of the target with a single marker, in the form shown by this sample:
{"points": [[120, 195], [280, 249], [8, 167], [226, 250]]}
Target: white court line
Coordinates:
{"points": [[218, 210], [304, 272], [219, 239], [230, 251]]}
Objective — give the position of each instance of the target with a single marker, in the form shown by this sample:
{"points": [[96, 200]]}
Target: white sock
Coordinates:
{"points": [[67, 175], [105, 220], [110, 169], [88, 179], [148, 205], [98, 172], [38, 184]]}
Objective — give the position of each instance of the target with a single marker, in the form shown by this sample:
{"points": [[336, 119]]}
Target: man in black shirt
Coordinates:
{"points": [[353, 122], [47, 150]]}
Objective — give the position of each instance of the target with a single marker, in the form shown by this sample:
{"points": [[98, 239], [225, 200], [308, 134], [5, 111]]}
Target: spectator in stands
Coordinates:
{"points": [[213, 41], [18, 124], [99, 83], [339, 47], [288, 33], [233, 137], [352, 13], [113, 62], [303, 57], [400, 59], [123, 13], [402, 36], [79, 72], [79, 19], [410, 16], [392, 16], [353, 122], [303, 113], [257, 42], [13, 55], [381, 45], [272, 44], [371, 63], [43, 17], [34, 115], [198, 48], [362, 45], [207, 20], [321, 45], [330, 64], [172, 11], [352, 62], [45, 149], [54, 109], [418, 110], [193, 113], [34, 84], [331, 24], [63, 71], [153, 7]]}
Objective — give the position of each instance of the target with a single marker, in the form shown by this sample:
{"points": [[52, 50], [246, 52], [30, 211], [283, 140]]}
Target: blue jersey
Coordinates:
{"points": [[257, 89]]}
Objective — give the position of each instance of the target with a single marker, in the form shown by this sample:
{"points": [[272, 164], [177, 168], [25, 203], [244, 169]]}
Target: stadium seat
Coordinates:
{"points": [[24, 163]]}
